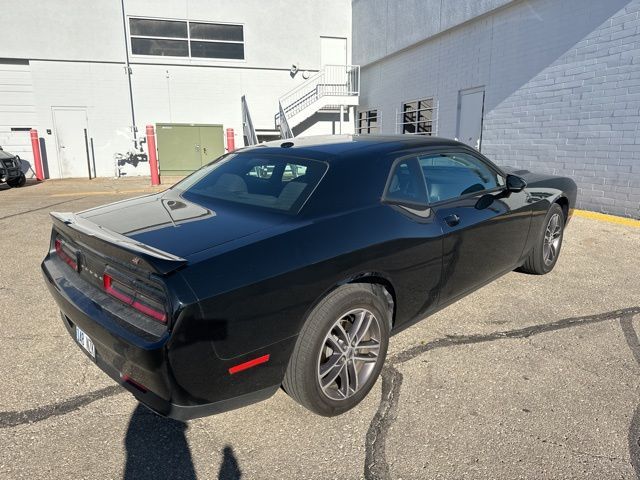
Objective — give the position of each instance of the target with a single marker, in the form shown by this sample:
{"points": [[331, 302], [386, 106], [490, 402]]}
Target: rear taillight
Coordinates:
{"points": [[131, 295], [133, 383], [65, 255]]}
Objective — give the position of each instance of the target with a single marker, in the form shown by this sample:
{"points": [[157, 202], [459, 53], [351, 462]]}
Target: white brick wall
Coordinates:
{"points": [[562, 82]]}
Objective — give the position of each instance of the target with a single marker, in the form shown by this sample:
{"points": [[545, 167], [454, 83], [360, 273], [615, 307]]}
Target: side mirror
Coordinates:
{"points": [[515, 183], [484, 201]]}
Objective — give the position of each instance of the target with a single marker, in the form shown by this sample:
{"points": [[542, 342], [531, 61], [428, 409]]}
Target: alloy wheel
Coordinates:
{"points": [[349, 354], [552, 236]]}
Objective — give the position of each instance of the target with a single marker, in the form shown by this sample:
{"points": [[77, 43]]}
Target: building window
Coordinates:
{"points": [[367, 122], [417, 117], [176, 38]]}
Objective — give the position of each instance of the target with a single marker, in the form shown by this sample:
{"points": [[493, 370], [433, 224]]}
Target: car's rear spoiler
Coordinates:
{"points": [[115, 245]]}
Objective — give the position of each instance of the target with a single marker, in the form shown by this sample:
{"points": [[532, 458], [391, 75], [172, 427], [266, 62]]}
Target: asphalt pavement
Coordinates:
{"points": [[529, 377]]}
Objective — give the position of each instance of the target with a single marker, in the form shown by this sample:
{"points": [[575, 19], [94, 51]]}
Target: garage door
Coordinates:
{"points": [[17, 107]]}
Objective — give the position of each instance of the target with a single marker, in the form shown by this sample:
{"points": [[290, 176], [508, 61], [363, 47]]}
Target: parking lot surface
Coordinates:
{"points": [[529, 377]]}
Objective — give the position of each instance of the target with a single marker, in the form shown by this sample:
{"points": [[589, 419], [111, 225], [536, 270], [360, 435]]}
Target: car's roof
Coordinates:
{"points": [[330, 147]]}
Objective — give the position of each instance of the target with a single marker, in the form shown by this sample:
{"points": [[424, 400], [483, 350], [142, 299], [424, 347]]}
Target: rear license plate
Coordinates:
{"points": [[85, 342]]}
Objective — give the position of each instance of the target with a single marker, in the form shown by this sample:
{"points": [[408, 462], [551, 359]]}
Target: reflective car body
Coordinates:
{"points": [[238, 281]]}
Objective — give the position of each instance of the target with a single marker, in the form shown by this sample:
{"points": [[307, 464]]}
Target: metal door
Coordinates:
{"points": [[470, 112], [69, 124], [212, 142], [184, 148], [178, 149], [333, 51]]}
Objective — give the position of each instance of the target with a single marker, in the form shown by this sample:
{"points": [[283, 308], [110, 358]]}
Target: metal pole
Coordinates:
{"points": [[93, 159], [37, 160], [231, 141], [153, 158], [86, 146], [341, 117], [128, 71]]}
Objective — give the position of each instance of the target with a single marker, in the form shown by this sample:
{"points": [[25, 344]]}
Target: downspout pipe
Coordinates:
{"points": [[128, 72]]}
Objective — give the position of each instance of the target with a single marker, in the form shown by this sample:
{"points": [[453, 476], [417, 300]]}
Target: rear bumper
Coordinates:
{"points": [[139, 365], [163, 406]]}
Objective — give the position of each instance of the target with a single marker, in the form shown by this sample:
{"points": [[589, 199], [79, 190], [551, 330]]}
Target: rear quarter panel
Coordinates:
{"points": [[260, 293]]}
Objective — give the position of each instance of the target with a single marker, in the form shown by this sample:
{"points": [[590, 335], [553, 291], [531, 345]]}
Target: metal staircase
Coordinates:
{"points": [[335, 86], [248, 130]]}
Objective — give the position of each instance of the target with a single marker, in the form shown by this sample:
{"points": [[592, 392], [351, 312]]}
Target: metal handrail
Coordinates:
{"points": [[247, 124], [332, 80], [285, 130]]}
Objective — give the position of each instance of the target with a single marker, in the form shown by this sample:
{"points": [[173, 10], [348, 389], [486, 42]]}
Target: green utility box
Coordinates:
{"points": [[185, 147]]}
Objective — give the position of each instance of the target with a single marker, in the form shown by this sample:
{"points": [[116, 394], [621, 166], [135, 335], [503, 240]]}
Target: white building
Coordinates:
{"points": [[548, 85], [64, 68]]}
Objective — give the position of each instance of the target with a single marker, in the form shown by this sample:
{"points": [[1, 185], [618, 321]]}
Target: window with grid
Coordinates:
{"points": [[179, 38], [367, 122], [417, 117]]}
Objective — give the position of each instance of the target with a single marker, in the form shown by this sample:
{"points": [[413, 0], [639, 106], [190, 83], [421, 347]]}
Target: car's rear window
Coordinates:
{"points": [[275, 182]]}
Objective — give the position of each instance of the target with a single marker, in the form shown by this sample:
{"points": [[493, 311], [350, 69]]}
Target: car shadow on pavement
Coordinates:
{"points": [[29, 183], [157, 448]]}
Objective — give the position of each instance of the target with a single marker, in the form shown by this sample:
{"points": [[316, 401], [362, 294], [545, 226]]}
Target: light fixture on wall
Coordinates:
{"points": [[294, 70]]}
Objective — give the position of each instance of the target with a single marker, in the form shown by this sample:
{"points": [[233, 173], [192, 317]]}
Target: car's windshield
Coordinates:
{"points": [[276, 182]]}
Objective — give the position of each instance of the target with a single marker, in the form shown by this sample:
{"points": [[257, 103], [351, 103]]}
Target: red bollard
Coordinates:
{"points": [[153, 157], [231, 140], [37, 160]]}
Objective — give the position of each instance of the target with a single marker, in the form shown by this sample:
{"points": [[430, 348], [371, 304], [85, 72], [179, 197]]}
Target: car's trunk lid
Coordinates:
{"points": [[161, 230]]}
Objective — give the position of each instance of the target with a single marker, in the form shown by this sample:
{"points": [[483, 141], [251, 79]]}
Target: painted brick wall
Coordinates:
{"points": [[562, 83]]}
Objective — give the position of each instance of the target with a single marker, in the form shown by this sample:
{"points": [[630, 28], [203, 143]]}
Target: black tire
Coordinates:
{"points": [[302, 379], [17, 181], [538, 262]]}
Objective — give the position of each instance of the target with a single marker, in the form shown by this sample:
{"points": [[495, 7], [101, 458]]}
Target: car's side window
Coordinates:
{"points": [[451, 175], [406, 184]]}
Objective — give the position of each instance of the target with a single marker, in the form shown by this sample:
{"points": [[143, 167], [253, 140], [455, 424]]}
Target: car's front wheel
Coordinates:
{"points": [[340, 351], [17, 181], [544, 255]]}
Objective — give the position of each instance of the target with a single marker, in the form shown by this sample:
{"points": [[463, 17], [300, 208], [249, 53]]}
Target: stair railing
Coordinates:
{"points": [[332, 80]]}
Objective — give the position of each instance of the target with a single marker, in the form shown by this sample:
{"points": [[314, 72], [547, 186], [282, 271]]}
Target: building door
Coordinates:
{"points": [[70, 124], [212, 142], [470, 112], [333, 51], [184, 148]]}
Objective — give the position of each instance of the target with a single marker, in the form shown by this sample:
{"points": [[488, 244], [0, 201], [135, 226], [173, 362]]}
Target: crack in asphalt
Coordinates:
{"points": [[376, 466], [13, 419], [633, 438]]}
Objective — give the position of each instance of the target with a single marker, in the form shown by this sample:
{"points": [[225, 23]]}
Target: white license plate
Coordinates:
{"points": [[85, 342]]}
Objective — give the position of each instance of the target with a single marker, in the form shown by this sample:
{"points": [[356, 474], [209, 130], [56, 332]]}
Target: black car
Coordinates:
{"points": [[289, 264], [11, 169]]}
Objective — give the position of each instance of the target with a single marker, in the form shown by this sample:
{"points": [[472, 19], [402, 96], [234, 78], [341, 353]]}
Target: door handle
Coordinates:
{"points": [[452, 220]]}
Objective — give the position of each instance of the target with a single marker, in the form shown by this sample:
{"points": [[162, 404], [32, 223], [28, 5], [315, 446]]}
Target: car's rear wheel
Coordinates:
{"points": [[17, 181], [340, 351], [544, 255]]}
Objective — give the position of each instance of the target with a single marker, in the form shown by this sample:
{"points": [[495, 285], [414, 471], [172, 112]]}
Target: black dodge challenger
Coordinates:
{"points": [[290, 264]]}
